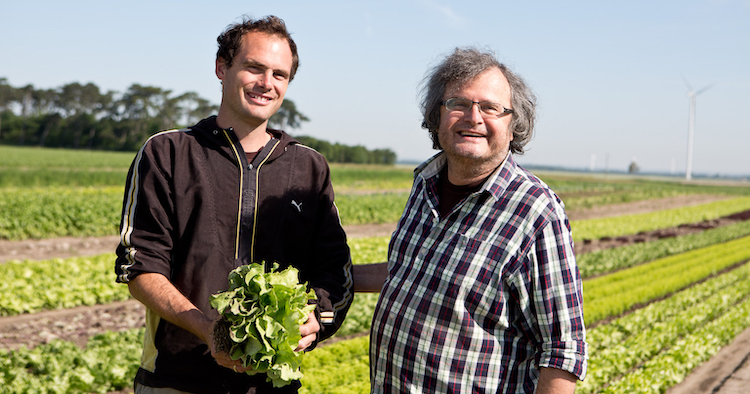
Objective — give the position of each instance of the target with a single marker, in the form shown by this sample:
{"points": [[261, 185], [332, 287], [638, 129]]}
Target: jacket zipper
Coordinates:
{"points": [[239, 207], [255, 203], [257, 194]]}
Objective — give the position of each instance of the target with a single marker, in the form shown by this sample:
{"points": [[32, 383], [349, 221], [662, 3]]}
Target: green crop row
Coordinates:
{"points": [[634, 339], [33, 158], [45, 177], [611, 295], [343, 367], [348, 358], [67, 211], [340, 368], [364, 251], [59, 211], [33, 286], [108, 363], [608, 260], [582, 192], [633, 224], [670, 367], [371, 208], [348, 178]]}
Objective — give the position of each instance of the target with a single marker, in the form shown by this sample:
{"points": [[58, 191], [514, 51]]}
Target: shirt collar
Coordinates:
{"points": [[496, 183]]}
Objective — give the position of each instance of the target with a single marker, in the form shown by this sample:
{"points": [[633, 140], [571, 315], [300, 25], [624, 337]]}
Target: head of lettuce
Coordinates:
{"points": [[261, 314]]}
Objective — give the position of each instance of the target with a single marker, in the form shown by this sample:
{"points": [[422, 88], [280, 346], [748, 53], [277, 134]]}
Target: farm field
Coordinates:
{"points": [[697, 234]]}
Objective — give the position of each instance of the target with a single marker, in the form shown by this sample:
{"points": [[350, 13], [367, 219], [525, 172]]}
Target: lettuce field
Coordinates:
{"points": [[666, 268]]}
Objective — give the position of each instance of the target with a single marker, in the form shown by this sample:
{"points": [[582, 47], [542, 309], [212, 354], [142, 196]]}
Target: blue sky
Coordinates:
{"points": [[608, 75]]}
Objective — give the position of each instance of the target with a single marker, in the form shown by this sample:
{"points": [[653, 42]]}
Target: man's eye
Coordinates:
{"points": [[490, 108]]}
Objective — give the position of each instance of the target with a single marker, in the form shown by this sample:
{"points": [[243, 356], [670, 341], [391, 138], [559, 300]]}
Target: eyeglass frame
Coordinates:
{"points": [[479, 104]]}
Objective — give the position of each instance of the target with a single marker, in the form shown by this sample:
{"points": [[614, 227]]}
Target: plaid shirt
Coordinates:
{"points": [[478, 301]]}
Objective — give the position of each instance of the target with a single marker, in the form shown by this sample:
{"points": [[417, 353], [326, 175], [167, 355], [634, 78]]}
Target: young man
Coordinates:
{"points": [[228, 191], [481, 292]]}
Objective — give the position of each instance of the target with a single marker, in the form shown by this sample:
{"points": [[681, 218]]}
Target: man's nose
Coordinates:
{"points": [[473, 115], [266, 79]]}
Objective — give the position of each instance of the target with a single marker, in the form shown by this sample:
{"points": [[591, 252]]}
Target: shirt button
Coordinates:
{"points": [[249, 166]]}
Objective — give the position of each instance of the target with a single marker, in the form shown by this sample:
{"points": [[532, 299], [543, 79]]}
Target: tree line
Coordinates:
{"points": [[81, 116], [338, 153]]}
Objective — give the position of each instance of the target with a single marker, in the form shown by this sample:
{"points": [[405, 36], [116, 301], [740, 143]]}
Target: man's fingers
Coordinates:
{"points": [[305, 342], [311, 326], [309, 332]]}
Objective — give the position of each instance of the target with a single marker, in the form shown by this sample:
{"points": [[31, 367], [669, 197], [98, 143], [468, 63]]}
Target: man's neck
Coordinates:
{"points": [[253, 137], [463, 171]]}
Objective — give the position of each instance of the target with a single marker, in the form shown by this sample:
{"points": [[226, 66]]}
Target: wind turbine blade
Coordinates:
{"points": [[706, 88]]}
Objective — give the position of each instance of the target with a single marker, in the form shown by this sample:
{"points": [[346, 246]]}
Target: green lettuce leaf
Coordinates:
{"points": [[264, 311]]}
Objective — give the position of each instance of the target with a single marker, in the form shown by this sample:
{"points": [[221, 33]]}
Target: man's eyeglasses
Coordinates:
{"points": [[486, 108]]}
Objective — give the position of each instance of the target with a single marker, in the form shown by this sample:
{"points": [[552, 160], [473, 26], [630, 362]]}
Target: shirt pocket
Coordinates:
{"points": [[479, 286]]}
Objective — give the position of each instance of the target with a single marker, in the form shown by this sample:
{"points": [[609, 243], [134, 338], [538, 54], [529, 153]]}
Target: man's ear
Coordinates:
{"points": [[221, 68]]}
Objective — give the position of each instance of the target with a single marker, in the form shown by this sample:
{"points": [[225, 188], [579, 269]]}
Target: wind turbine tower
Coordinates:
{"points": [[691, 126]]}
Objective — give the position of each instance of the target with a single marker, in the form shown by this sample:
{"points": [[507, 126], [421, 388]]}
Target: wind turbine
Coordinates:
{"points": [[691, 126]]}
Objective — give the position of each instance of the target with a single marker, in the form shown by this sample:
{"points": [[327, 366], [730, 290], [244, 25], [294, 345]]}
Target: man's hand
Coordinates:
{"points": [[222, 358], [309, 332], [159, 294]]}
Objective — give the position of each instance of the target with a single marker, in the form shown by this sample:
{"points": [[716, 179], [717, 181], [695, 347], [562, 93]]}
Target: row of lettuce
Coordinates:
{"points": [[702, 279], [46, 193], [647, 350], [88, 280], [95, 211]]}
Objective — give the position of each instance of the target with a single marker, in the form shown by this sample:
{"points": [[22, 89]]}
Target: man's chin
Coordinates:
{"points": [[467, 154]]}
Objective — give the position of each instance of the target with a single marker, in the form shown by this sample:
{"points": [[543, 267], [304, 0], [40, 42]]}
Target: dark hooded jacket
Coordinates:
{"points": [[194, 209]]}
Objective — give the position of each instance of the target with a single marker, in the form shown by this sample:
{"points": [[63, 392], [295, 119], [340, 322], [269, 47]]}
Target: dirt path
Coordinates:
{"points": [[728, 372]]}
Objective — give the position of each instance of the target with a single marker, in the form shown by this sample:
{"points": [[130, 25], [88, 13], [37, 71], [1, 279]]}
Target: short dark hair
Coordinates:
{"points": [[231, 39], [460, 67]]}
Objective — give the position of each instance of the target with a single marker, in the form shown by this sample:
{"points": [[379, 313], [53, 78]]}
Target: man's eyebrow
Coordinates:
{"points": [[254, 63], [250, 62], [285, 73]]}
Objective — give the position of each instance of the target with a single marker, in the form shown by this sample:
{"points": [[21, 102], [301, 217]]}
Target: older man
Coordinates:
{"points": [[481, 292]]}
